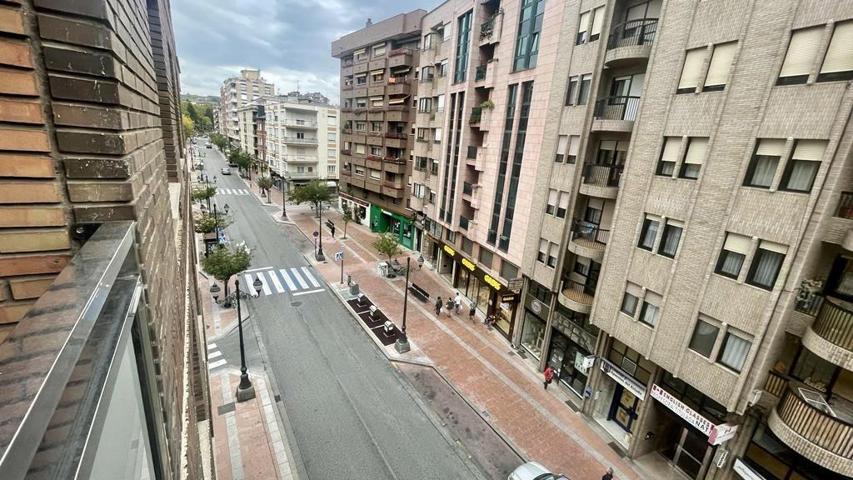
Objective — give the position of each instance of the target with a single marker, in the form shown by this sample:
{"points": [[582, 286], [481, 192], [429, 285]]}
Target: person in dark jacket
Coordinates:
{"points": [[438, 305], [549, 376], [608, 475]]}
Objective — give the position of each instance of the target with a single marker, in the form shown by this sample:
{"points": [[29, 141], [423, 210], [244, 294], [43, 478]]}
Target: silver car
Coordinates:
{"points": [[534, 471], [226, 171]]}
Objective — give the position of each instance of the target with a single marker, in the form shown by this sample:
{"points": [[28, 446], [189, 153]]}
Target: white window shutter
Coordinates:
{"points": [[771, 147], [692, 71], [721, 63], [809, 150], [574, 145], [562, 143], [597, 20], [738, 243], [583, 23], [774, 247], [696, 150], [839, 55], [802, 51], [670, 149]]}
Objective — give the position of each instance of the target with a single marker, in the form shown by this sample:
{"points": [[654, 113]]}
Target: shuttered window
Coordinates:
{"points": [[597, 21], [583, 25], [693, 159], [801, 54], [838, 62], [721, 63], [692, 71], [734, 252], [562, 144], [669, 156], [574, 145], [762, 167]]}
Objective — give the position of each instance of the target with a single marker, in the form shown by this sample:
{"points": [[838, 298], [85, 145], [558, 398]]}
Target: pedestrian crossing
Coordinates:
{"points": [[232, 191], [275, 281], [214, 357]]}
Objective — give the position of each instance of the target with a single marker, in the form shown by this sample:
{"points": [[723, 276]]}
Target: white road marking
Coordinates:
{"points": [[248, 287], [310, 291], [287, 279], [309, 276], [295, 273], [257, 269], [215, 354], [218, 363], [264, 284], [275, 282], [211, 346]]}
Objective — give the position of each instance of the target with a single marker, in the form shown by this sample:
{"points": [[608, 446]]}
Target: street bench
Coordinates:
{"points": [[419, 293]]}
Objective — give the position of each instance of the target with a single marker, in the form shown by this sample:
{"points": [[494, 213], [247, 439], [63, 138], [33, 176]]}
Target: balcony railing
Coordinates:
{"points": [[395, 160], [487, 28], [845, 206], [400, 51], [602, 175], [591, 232], [818, 427], [775, 384], [398, 80], [476, 114], [617, 108], [300, 123], [834, 323], [400, 135], [300, 141], [480, 73], [633, 33]]}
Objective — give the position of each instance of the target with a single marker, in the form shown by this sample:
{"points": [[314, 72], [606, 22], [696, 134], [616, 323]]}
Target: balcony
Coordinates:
{"points": [[374, 162], [490, 29], [398, 89], [815, 429], [300, 141], [307, 124], [630, 43], [476, 116], [397, 113], [588, 240], [576, 296], [830, 336], [839, 228], [298, 159], [400, 57], [615, 114], [464, 223], [601, 181], [393, 190], [481, 160], [394, 165], [396, 139], [294, 175], [484, 75]]}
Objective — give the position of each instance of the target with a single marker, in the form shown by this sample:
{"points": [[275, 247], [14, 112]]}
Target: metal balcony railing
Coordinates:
{"points": [[617, 108], [591, 232], [632, 33], [834, 323], [300, 141], [476, 114], [775, 384], [602, 175], [845, 206], [813, 424], [487, 28]]}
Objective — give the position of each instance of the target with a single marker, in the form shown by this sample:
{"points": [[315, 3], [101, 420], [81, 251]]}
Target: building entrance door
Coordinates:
{"points": [[623, 411], [691, 452]]}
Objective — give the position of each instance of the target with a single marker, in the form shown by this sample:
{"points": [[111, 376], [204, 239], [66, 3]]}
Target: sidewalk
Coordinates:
{"points": [[480, 364]]}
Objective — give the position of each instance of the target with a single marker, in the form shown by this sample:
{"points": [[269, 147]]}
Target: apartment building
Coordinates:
{"points": [[653, 199], [249, 120], [378, 89], [102, 351], [301, 138], [236, 93]]}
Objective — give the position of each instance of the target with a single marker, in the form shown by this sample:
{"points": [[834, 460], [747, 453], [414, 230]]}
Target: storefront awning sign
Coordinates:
{"points": [[449, 250], [467, 263], [622, 378], [721, 433], [492, 282], [745, 471], [679, 408]]}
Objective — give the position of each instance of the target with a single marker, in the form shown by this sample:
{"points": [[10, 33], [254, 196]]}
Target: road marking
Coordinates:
{"points": [[216, 364], [295, 273], [211, 346], [249, 281], [287, 279], [257, 269], [310, 277], [309, 291], [265, 285], [215, 354], [275, 282]]}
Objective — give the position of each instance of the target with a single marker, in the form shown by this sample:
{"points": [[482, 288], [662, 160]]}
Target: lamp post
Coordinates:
{"points": [[402, 343], [320, 257], [283, 199], [245, 390], [216, 222]]}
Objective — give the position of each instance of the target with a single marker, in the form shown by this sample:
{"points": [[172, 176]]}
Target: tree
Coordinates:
{"points": [[388, 245], [314, 192], [346, 217], [240, 158], [265, 184], [225, 262], [189, 126], [205, 124], [207, 222], [202, 193], [219, 140]]}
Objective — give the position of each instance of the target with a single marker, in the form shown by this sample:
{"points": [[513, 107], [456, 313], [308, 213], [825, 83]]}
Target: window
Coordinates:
{"points": [[361, 79], [331, 152], [802, 50], [360, 148], [332, 120], [358, 170], [379, 50], [333, 137], [486, 257], [542, 256], [508, 270], [583, 91], [691, 72], [331, 168], [704, 338], [441, 68], [437, 135], [360, 54], [631, 299], [838, 62], [427, 41], [650, 312], [597, 21], [421, 134], [671, 236], [801, 170], [721, 62], [425, 105], [766, 264], [439, 103], [445, 32], [553, 253], [527, 41], [463, 35], [734, 351], [583, 26], [669, 156], [649, 233], [562, 144], [572, 91], [693, 158], [563, 206], [376, 102], [762, 167], [735, 250], [376, 174], [376, 151], [574, 145], [552, 202]]}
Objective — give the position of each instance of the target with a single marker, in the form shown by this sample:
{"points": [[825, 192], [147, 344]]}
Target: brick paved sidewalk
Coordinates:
{"points": [[480, 364]]}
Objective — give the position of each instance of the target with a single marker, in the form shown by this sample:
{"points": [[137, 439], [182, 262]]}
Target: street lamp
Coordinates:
{"points": [[283, 198], [402, 343], [320, 257], [214, 291], [245, 390]]}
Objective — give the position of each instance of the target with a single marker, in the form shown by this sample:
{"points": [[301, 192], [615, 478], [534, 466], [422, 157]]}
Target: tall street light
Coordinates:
{"points": [[320, 257], [245, 390], [402, 343], [283, 199]]}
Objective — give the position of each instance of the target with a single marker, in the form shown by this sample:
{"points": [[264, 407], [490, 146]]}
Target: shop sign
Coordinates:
{"points": [[679, 408], [536, 306], [584, 362], [492, 282], [449, 250], [515, 285], [721, 433], [745, 471], [622, 378], [467, 263]]}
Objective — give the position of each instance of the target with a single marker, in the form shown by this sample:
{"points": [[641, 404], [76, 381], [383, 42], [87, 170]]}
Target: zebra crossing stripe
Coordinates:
{"points": [[249, 281], [287, 279], [310, 277], [295, 273], [211, 346], [275, 282], [214, 354], [264, 284], [215, 364], [226, 191]]}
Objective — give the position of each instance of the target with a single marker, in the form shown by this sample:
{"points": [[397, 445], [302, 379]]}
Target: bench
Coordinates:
{"points": [[419, 293]]}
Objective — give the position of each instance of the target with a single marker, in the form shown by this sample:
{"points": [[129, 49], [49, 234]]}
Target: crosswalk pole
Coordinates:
{"points": [[342, 270]]}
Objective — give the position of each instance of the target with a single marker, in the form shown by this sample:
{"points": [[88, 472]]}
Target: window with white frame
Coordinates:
{"points": [[551, 207], [574, 146], [439, 103], [650, 313], [649, 232], [668, 156], [375, 174], [379, 51], [583, 90], [696, 148], [331, 152], [766, 264], [436, 135], [360, 148], [735, 249]]}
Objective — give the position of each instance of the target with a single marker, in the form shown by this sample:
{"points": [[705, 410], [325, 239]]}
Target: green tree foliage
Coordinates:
{"points": [[265, 184], [225, 262], [314, 192], [202, 193], [219, 140], [208, 223], [188, 125], [346, 217], [387, 244], [240, 158], [201, 115]]}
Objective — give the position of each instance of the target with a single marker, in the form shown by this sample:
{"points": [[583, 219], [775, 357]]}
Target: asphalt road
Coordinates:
{"points": [[351, 415]]}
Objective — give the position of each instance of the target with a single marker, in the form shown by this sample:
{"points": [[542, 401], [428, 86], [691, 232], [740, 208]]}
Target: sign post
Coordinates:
{"points": [[339, 257]]}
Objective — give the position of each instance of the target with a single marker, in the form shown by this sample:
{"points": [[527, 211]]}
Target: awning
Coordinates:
{"points": [[401, 68], [398, 101], [377, 72]]}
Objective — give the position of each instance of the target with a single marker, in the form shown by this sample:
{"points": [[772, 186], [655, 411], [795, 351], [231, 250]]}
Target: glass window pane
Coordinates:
{"points": [[761, 171], [734, 351], [671, 237], [629, 304], [765, 268], [704, 337], [649, 314], [799, 175], [649, 234]]}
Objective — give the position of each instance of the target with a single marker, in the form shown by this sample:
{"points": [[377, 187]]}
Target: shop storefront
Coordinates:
{"points": [[489, 295], [358, 207], [571, 349], [382, 221], [537, 310]]}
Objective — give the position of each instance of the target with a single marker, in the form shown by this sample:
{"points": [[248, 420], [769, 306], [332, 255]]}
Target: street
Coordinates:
{"points": [[351, 415]]}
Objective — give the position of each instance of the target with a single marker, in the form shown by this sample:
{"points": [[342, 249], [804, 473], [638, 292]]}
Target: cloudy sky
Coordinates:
{"points": [[289, 40]]}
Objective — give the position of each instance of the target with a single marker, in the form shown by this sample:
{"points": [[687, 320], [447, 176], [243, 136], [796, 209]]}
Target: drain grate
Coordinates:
{"points": [[571, 405], [227, 408], [295, 304], [277, 398]]}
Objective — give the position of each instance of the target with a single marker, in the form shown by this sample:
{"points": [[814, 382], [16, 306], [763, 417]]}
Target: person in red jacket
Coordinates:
{"points": [[549, 376]]}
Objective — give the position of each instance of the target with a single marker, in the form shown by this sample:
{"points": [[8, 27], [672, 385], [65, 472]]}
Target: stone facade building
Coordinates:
{"points": [[236, 93], [100, 339]]}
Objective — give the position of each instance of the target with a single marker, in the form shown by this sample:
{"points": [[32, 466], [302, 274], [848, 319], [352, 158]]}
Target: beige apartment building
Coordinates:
{"points": [[236, 93], [654, 199], [378, 88]]}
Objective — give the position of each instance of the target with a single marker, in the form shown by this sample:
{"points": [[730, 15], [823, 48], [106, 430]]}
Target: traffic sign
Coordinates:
{"points": [[339, 256], [316, 234]]}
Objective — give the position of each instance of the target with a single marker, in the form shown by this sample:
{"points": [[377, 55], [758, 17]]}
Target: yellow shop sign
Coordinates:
{"points": [[492, 282], [468, 264], [449, 250]]}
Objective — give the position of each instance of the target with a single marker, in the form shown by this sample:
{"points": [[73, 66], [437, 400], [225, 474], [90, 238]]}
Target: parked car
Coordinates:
{"points": [[534, 471], [226, 171]]}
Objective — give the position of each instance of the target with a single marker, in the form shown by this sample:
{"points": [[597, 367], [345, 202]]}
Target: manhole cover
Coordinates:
{"points": [[227, 408], [295, 304]]}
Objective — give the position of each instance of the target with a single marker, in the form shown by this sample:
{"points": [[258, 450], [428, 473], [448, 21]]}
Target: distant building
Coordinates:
{"points": [[236, 93]]}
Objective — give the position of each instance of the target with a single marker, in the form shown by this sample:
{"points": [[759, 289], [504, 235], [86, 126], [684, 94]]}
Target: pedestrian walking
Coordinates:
{"points": [[438, 304], [549, 377], [472, 310], [457, 302], [608, 475], [449, 306]]}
